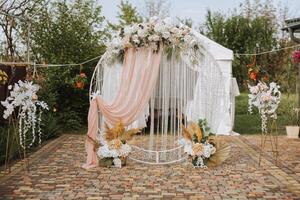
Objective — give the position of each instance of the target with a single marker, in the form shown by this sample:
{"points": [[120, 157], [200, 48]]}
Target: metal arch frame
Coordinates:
{"points": [[94, 86]]}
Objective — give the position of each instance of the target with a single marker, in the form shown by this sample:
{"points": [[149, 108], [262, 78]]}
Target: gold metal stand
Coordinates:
{"points": [[272, 137]]}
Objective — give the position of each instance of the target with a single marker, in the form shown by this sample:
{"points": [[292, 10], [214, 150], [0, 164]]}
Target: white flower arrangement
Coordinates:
{"points": [[200, 151], [113, 144], [197, 143], [266, 99], [154, 34], [24, 96], [107, 150]]}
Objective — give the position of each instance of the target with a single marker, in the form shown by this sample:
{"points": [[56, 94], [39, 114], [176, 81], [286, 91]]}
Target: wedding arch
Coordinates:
{"points": [[158, 76]]}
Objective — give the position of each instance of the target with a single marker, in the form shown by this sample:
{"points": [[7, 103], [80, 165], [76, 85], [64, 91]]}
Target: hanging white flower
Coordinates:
{"points": [[24, 97]]}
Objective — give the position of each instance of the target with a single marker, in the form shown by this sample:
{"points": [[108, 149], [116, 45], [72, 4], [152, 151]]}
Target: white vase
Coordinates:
{"points": [[292, 131]]}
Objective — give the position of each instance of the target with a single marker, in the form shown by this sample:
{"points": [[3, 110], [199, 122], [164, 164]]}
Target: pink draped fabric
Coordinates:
{"points": [[138, 79]]}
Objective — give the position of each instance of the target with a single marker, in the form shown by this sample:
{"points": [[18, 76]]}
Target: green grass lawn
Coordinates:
{"points": [[251, 124]]}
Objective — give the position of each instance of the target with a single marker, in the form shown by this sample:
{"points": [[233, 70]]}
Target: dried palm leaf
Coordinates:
{"points": [[195, 129], [130, 133], [222, 153], [186, 133], [110, 133], [119, 132], [119, 129]]}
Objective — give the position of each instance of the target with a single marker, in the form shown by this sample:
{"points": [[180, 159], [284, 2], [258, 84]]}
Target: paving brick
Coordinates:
{"points": [[56, 173]]}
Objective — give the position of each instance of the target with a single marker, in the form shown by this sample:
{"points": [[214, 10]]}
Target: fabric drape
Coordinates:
{"points": [[138, 80]]}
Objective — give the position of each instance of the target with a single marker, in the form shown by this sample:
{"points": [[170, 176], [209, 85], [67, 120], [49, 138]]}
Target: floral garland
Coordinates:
{"points": [[266, 99], [154, 34], [24, 96]]}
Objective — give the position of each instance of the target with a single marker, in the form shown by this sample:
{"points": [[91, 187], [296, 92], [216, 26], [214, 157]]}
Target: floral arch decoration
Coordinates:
{"points": [[187, 86]]}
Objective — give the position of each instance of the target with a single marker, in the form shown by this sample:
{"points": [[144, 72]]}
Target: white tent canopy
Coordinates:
{"points": [[224, 58]]}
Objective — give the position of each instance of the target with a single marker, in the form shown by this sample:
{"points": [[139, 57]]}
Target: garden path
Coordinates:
{"points": [[56, 173]]}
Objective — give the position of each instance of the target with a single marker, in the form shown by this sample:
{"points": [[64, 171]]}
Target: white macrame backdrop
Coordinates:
{"points": [[184, 92]]}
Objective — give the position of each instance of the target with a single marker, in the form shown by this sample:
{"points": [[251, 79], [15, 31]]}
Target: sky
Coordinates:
{"points": [[194, 9]]}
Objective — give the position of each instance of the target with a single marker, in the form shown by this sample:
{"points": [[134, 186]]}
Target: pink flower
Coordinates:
{"points": [[82, 75]]}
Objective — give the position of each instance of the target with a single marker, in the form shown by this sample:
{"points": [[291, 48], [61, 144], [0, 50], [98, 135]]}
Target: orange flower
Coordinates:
{"points": [[253, 75], [198, 149], [82, 75], [116, 143], [34, 97]]}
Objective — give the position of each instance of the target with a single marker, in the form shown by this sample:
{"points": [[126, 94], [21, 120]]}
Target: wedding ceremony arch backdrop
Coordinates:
{"points": [[157, 76]]}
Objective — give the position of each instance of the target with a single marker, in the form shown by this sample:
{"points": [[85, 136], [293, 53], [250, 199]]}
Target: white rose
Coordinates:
{"points": [[154, 38], [128, 30], [174, 30], [142, 33], [153, 46], [179, 33], [166, 34], [158, 27], [135, 38]]}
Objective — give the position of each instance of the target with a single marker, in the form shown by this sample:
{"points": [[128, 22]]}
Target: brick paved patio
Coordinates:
{"points": [[55, 173]]}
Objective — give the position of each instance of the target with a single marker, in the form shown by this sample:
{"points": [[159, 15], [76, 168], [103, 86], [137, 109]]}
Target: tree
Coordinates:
{"points": [[127, 15], [12, 14], [158, 8], [253, 28], [68, 33], [186, 21]]}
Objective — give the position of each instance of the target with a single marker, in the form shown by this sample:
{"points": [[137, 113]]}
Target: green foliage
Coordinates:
{"points": [[202, 123], [51, 126], [251, 124], [3, 138], [68, 33], [127, 15], [252, 28], [14, 151]]}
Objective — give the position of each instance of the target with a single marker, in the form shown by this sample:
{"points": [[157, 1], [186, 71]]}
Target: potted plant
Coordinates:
{"points": [[292, 130]]}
